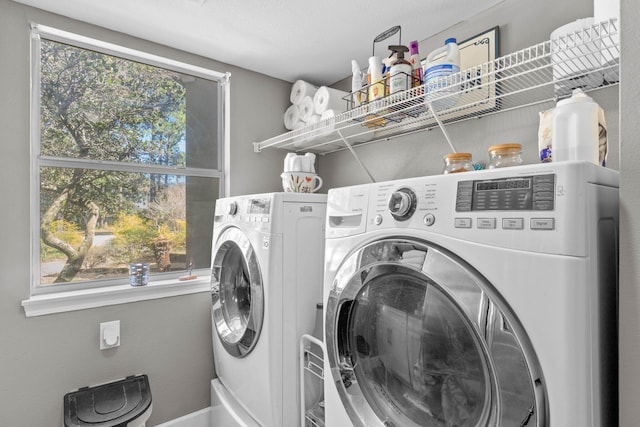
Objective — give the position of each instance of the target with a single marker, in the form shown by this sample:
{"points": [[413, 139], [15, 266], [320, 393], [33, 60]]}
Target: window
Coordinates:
{"points": [[127, 163]]}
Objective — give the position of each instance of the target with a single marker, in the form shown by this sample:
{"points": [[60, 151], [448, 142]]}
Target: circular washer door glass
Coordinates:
{"points": [[237, 293], [416, 337], [416, 357]]}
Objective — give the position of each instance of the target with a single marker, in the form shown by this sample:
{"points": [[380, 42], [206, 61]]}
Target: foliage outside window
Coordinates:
{"points": [[126, 162]]}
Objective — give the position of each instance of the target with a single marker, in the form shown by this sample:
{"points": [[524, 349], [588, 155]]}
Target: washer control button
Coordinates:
{"points": [[402, 204], [462, 222], [543, 224], [486, 223], [429, 220], [377, 220], [513, 223]]}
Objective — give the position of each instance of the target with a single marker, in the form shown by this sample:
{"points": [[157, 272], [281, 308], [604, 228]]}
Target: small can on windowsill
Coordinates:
{"points": [[138, 273]]}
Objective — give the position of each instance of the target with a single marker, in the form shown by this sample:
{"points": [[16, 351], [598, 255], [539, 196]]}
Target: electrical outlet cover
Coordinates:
{"points": [[109, 334]]}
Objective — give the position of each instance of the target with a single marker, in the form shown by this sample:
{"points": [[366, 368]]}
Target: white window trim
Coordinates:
{"points": [[60, 302], [124, 52], [78, 299]]}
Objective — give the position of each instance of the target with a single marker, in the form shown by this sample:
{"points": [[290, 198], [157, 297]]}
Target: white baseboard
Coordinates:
{"points": [[201, 418]]}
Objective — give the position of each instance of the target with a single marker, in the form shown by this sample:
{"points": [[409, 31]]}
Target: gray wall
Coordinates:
{"points": [[169, 339], [629, 215]]}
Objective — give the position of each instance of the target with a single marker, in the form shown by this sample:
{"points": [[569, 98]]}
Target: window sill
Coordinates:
{"points": [[61, 302]]}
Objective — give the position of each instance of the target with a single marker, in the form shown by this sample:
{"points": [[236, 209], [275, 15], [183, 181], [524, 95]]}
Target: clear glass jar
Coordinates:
{"points": [[503, 155], [457, 162]]}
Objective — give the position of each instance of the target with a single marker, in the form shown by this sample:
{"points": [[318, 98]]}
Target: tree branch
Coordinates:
{"points": [[45, 226]]}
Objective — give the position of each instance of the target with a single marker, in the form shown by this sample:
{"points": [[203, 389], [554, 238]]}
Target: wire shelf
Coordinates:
{"points": [[313, 420], [314, 364], [311, 362], [587, 59]]}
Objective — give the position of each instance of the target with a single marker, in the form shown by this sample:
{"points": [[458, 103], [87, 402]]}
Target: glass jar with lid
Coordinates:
{"points": [[457, 162], [503, 155]]}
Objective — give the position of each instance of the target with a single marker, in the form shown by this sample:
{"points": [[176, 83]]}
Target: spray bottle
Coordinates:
{"points": [[401, 70], [416, 64]]}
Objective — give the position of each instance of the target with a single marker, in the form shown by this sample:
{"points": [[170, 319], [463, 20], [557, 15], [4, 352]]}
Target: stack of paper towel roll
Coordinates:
{"points": [[310, 104], [301, 110]]}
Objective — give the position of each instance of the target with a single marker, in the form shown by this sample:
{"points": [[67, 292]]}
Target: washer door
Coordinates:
{"points": [[417, 337], [237, 292]]}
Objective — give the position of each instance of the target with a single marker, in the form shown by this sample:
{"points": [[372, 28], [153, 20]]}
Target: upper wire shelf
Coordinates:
{"points": [[587, 59]]}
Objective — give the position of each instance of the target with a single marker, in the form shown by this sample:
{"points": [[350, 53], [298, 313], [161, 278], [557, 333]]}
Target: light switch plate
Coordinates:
{"points": [[109, 334]]}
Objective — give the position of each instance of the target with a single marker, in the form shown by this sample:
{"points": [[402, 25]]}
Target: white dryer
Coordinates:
{"points": [[267, 267], [477, 299]]}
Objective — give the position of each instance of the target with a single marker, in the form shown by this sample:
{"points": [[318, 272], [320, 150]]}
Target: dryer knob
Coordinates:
{"points": [[402, 204], [232, 209]]}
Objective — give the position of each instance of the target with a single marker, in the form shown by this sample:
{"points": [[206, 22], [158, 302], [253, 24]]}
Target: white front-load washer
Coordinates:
{"points": [[267, 266], [477, 299]]}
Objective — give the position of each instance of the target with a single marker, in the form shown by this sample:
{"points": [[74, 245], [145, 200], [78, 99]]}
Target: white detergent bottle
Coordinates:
{"points": [[575, 132], [442, 63], [356, 84]]}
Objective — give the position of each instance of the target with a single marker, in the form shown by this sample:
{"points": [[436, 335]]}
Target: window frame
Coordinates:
{"points": [[39, 293]]}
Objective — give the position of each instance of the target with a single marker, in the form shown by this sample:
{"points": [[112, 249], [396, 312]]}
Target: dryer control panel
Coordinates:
{"points": [[522, 193], [253, 212]]}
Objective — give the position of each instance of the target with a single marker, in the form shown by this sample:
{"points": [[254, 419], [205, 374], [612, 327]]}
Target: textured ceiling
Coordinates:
{"points": [[286, 39]]}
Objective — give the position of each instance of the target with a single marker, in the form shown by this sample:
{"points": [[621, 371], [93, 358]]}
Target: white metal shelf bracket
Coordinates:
{"points": [[355, 156], [442, 127]]}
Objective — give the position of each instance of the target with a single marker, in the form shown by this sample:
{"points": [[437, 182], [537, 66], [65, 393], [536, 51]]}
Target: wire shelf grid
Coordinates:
{"points": [[587, 59]]}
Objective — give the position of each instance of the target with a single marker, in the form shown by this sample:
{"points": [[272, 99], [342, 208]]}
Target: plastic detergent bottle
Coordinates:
{"points": [[442, 63], [356, 84], [575, 131], [401, 69], [386, 72], [374, 79]]}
